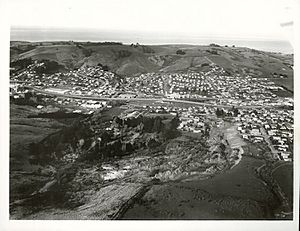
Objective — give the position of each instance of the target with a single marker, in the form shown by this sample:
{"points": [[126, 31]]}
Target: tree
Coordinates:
{"points": [[219, 112], [105, 68], [21, 63], [157, 124], [214, 45], [236, 112]]}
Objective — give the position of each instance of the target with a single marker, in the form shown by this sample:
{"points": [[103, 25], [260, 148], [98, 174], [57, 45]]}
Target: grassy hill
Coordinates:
{"points": [[135, 59]]}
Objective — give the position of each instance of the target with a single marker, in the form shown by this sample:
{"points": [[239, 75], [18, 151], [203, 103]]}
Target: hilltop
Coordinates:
{"points": [[126, 60]]}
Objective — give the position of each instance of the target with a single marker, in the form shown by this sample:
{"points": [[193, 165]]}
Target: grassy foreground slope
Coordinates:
{"points": [[236, 194], [23, 132], [136, 59]]}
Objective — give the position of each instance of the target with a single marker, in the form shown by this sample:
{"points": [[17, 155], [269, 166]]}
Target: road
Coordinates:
{"points": [[209, 60], [267, 139], [97, 98]]}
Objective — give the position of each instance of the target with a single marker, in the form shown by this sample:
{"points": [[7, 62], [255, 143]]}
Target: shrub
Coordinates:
{"points": [[180, 52]]}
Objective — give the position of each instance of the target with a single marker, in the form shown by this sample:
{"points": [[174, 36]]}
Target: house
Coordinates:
{"points": [[255, 132], [258, 138]]}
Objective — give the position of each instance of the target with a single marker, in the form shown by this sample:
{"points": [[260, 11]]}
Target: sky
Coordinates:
{"points": [[237, 19]]}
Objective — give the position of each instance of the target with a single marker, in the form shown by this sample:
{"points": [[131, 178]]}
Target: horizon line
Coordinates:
{"points": [[159, 44], [173, 35]]}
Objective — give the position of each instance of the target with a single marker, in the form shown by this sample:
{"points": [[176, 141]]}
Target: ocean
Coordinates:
{"points": [[147, 38]]}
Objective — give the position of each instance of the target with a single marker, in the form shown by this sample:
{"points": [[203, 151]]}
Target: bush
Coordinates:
{"points": [[49, 67], [180, 52], [21, 63], [213, 52], [214, 45]]}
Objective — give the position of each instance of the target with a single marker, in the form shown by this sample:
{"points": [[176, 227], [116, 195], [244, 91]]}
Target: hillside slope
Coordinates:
{"points": [[135, 59]]}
